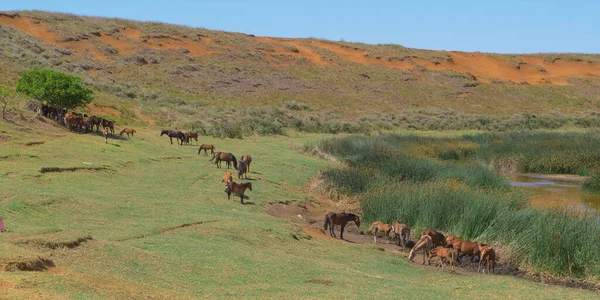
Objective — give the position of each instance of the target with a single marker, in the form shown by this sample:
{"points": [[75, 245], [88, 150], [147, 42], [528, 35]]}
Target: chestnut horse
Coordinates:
{"points": [[489, 255], [401, 233], [224, 156], [237, 188], [205, 147], [248, 159], [381, 227], [463, 247], [174, 134], [333, 218], [227, 178], [445, 254], [128, 131], [425, 243]]}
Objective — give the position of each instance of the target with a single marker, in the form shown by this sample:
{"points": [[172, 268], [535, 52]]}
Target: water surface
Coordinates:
{"points": [[556, 191]]}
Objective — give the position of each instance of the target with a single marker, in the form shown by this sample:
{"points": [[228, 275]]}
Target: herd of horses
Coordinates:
{"points": [[432, 243]]}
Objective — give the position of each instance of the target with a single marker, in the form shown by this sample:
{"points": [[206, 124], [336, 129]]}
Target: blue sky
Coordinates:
{"points": [[506, 26]]}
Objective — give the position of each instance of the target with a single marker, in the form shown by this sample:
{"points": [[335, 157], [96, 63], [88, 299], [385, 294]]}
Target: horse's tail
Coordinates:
{"points": [[234, 160], [326, 223]]}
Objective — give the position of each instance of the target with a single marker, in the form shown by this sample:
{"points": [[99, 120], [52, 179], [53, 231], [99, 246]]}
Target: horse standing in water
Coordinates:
{"points": [[174, 134], [333, 218]]}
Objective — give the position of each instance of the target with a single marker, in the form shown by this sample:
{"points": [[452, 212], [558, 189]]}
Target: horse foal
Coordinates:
{"points": [[445, 254], [401, 233], [380, 227], [489, 255]]}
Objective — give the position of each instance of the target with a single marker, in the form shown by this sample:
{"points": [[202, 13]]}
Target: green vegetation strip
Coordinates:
{"points": [[448, 184]]}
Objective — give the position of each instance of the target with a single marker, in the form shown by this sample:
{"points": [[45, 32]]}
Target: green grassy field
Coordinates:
{"points": [[136, 209]]}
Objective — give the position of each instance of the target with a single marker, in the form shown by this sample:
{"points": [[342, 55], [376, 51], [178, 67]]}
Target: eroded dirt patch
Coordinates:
{"points": [[73, 169], [32, 265], [319, 281], [68, 244]]}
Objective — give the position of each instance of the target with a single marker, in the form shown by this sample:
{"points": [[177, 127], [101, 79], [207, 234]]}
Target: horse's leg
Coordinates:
{"points": [[342, 231], [331, 230], [375, 236], [242, 198]]}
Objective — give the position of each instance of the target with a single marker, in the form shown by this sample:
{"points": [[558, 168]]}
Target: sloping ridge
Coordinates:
{"points": [[530, 69]]}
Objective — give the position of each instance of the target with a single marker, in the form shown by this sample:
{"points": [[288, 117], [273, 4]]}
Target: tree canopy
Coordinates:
{"points": [[55, 88]]}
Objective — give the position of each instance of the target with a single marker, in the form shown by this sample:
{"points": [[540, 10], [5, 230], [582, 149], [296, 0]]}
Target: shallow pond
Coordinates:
{"points": [[556, 191]]}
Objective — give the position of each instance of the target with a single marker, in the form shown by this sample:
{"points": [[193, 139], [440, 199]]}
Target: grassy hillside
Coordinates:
{"points": [[142, 218], [205, 79]]}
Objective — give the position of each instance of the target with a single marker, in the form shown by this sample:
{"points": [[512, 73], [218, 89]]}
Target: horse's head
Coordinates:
{"points": [[163, 132], [249, 185], [356, 220]]}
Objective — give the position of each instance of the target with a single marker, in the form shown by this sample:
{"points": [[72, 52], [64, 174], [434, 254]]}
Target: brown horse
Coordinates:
{"points": [[401, 233], [206, 147], [94, 121], [191, 135], [333, 218], [248, 159], [224, 156], [425, 243], [128, 131], [437, 238], [463, 247], [74, 121], [380, 227], [445, 254], [242, 168], [489, 255], [237, 188], [105, 134]]}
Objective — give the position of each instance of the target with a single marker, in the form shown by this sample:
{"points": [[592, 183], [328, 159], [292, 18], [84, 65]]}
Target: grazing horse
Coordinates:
{"points": [[463, 247], [425, 243], [174, 134], [381, 227], [225, 156], [437, 238], [248, 159], [445, 254], [105, 134], [227, 178], [333, 218], [191, 135], [401, 233], [237, 188], [206, 147], [451, 239], [489, 255], [242, 168], [128, 131]]}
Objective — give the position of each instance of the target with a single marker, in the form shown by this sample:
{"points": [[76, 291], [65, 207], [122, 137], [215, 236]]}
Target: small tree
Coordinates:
{"points": [[54, 88], [7, 98]]}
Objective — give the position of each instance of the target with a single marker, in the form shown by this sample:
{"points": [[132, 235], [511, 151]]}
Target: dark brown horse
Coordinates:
{"points": [[437, 238], [108, 123], [128, 131], [94, 121], [238, 189], [191, 135], [205, 147], [174, 134], [225, 156], [248, 159], [333, 218], [242, 168]]}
